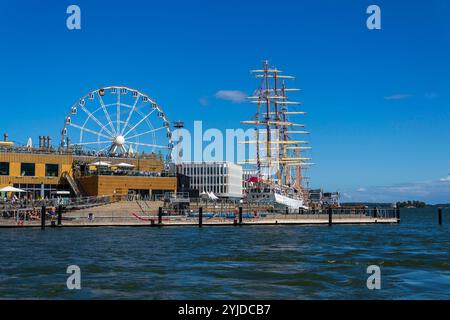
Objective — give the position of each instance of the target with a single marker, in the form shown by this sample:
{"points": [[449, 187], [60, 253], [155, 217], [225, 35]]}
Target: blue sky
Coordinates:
{"points": [[378, 101]]}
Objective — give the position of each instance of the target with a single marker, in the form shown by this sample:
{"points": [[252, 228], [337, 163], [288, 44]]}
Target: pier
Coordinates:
{"points": [[138, 213]]}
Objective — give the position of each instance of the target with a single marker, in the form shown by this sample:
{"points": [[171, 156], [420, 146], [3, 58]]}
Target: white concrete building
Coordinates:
{"points": [[224, 179]]}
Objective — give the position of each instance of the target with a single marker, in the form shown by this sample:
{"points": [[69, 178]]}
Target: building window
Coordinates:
{"points": [[4, 168], [51, 170], [28, 170]]}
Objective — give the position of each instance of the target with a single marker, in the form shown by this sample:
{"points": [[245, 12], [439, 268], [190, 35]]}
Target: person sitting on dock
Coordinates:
{"points": [[34, 215], [21, 218], [28, 214]]}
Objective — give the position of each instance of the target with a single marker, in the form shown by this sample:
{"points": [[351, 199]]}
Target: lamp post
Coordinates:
{"points": [[178, 125]]}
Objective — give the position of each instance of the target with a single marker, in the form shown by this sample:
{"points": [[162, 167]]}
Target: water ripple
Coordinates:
{"points": [[270, 262]]}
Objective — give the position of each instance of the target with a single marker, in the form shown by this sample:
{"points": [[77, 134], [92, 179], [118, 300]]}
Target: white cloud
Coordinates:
{"points": [[398, 97], [234, 96], [346, 195], [435, 191]]}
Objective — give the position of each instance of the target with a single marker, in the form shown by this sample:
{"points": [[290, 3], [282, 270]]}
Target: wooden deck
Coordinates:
{"points": [[145, 214], [83, 223]]}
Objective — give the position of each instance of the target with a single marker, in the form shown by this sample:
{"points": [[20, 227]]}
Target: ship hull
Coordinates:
{"points": [[278, 200], [292, 204]]}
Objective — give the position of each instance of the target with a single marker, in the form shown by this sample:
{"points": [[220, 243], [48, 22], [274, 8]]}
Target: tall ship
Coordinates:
{"points": [[279, 144]]}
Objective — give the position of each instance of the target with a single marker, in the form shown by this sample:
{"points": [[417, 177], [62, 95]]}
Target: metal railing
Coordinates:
{"points": [[147, 212], [129, 173], [68, 203], [76, 153]]}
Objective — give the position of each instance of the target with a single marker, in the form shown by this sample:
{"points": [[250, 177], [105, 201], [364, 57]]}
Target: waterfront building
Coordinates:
{"points": [[224, 179], [106, 148], [330, 199], [39, 174], [320, 198], [43, 171], [315, 196]]}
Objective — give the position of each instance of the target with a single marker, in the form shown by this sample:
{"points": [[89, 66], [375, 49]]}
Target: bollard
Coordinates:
{"points": [[440, 216], [43, 211], [330, 217], [160, 211], [240, 215], [200, 217], [59, 215]]}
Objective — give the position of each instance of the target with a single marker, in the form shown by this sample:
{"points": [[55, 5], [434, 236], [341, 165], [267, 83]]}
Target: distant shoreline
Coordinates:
{"points": [[403, 205]]}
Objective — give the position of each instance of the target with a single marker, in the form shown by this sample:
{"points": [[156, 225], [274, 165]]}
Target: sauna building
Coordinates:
{"points": [[42, 172]]}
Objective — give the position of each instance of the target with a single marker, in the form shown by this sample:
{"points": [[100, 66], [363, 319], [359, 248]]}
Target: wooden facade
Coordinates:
{"points": [[149, 164], [39, 178], [123, 185], [16, 176]]}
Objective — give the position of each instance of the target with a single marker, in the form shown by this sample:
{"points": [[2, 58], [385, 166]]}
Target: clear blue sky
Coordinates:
{"points": [[378, 101]]}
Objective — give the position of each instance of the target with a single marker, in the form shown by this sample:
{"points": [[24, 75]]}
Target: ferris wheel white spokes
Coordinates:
{"points": [[92, 143], [130, 114], [108, 117], [147, 145], [141, 134], [95, 119], [142, 120], [88, 130], [118, 120]]}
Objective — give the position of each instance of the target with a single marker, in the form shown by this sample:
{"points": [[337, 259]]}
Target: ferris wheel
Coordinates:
{"points": [[117, 120]]}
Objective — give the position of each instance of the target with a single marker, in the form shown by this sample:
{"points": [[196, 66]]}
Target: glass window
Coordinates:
{"points": [[28, 170], [51, 170], [4, 168]]}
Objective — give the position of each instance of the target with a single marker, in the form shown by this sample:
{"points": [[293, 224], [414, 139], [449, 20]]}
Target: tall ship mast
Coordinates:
{"points": [[280, 143]]}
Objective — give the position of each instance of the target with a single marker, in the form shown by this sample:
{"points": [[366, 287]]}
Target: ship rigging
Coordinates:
{"points": [[279, 144]]}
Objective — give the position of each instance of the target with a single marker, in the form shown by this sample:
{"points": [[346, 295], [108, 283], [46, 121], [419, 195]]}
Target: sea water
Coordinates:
{"points": [[262, 262]]}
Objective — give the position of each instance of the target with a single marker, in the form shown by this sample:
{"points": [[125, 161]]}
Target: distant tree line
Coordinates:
{"points": [[404, 204], [413, 204]]}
